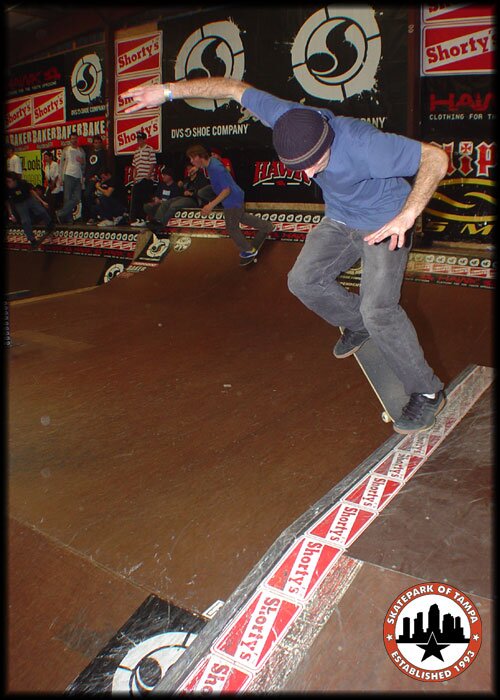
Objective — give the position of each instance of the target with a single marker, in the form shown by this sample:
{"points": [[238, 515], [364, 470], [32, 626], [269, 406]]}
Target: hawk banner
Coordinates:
{"points": [[459, 115]]}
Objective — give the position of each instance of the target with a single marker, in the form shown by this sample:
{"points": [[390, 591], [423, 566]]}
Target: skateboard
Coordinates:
{"points": [[387, 387], [253, 259]]}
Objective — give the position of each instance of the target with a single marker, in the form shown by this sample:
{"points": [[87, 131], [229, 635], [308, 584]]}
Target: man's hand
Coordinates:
{"points": [[206, 209], [396, 229], [144, 97]]}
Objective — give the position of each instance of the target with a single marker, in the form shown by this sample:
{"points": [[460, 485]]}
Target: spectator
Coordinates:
{"points": [[166, 190], [110, 206], [52, 183], [72, 173], [14, 163], [26, 202], [143, 165], [195, 181], [231, 196], [96, 163]]}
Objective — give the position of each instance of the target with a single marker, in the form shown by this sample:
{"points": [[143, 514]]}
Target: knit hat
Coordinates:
{"points": [[301, 137]]}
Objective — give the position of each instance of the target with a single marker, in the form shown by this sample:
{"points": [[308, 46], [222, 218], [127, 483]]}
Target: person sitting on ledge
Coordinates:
{"points": [[27, 203], [166, 190], [109, 207]]}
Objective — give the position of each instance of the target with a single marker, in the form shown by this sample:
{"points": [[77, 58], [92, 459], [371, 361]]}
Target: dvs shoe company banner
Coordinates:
{"points": [[348, 58]]}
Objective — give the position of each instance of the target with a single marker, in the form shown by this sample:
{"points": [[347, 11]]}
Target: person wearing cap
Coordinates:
{"points": [[143, 166], [166, 190], [370, 209]]}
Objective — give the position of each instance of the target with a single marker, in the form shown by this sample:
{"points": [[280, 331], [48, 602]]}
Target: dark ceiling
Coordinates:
{"points": [[34, 28]]}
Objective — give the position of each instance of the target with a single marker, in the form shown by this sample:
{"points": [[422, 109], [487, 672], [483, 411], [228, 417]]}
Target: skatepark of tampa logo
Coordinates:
{"points": [[432, 632]]}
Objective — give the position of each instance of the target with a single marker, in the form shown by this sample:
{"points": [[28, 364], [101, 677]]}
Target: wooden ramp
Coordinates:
{"points": [[164, 430]]}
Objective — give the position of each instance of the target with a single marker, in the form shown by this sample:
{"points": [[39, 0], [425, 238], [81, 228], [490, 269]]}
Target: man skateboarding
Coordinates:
{"points": [[362, 173], [232, 198]]}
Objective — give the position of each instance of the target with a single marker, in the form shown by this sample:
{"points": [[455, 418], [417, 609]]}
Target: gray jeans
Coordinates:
{"points": [[331, 248], [234, 216]]}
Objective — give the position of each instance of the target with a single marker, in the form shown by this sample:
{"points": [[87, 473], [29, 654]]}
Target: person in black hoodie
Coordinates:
{"points": [[96, 162]]}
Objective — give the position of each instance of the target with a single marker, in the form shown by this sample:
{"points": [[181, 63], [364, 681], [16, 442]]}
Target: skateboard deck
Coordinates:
{"points": [[249, 261], [387, 387]]}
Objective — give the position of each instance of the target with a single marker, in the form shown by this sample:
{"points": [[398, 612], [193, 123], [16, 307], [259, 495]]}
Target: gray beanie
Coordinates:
{"points": [[301, 137]]}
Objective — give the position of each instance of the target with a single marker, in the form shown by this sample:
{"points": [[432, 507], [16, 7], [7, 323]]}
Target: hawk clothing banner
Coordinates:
{"points": [[459, 115], [351, 59]]}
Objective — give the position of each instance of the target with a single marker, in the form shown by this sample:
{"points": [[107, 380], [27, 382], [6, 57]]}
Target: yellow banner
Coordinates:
{"points": [[32, 166]]}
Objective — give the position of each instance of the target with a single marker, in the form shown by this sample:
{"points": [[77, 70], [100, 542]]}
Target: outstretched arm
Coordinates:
{"points": [[432, 169], [211, 88]]}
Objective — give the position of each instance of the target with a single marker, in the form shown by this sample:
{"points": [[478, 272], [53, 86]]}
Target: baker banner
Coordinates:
{"points": [[348, 58], [48, 99]]}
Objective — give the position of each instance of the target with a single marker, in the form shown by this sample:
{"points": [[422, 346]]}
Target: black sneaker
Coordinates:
{"points": [[349, 342], [420, 413]]}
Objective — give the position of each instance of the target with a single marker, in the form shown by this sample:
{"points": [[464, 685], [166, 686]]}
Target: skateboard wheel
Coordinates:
{"points": [[386, 417]]}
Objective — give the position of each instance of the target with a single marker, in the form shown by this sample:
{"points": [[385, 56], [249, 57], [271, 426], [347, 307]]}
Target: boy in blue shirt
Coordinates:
{"points": [[362, 174], [232, 198]]}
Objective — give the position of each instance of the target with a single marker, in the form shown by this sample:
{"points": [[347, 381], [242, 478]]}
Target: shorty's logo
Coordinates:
{"points": [[275, 173], [432, 632], [336, 52], [214, 50], [86, 79]]}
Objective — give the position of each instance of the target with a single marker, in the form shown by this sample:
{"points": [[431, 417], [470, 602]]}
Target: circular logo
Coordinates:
{"points": [[432, 632], [86, 78], [214, 50], [145, 664], [182, 243], [113, 271], [336, 52]]}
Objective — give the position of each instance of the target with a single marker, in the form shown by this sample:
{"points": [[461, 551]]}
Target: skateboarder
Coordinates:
{"points": [[362, 173], [232, 198]]}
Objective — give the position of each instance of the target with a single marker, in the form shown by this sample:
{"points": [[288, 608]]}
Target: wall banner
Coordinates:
{"points": [[48, 99], [351, 59]]}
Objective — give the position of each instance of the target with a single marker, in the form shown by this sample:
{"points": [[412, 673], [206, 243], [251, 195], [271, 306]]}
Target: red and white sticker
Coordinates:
{"points": [[126, 129], [49, 107], [215, 675], [343, 524], [432, 632], [458, 49], [138, 54], [18, 113], [124, 84], [255, 632], [399, 465], [300, 572], [374, 492]]}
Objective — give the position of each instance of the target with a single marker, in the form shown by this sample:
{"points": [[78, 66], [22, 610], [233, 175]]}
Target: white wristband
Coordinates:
{"points": [[167, 93]]}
